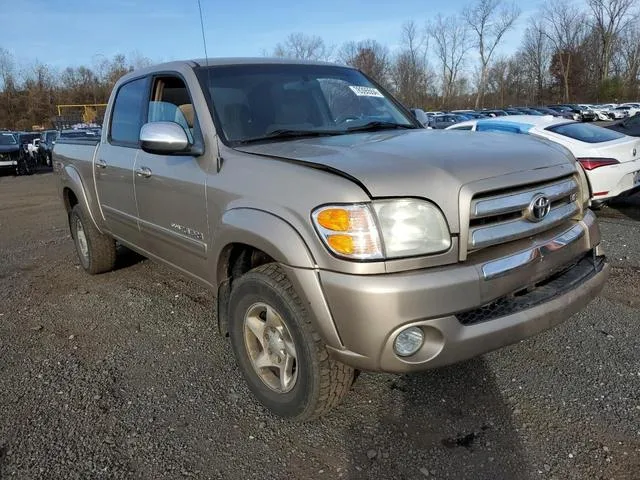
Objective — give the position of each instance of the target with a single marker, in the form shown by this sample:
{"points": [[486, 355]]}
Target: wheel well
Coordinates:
{"points": [[70, 199], [235, 260]]}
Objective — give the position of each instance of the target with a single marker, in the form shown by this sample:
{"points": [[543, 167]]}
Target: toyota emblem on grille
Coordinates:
{"points": [[538, 208]]}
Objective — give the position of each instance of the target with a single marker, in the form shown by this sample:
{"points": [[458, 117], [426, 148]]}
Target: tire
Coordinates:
{"points": [[96, 251], [319, 382]]}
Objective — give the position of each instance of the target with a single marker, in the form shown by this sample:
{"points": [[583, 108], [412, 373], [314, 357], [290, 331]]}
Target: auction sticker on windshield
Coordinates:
{"points": [[366, 91]]}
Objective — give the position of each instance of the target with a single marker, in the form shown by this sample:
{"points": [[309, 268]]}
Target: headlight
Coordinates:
{"points": [[404, 228]]}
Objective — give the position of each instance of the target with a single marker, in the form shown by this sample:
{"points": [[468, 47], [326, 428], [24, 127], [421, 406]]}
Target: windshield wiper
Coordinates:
{"points": [[378, 125], [289, 133]]}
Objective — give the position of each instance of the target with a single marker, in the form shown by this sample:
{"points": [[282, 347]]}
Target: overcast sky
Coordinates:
{"points": [[74, 32]]}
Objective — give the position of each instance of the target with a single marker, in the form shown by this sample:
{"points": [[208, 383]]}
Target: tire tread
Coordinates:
{"points": [[336, 378], [102, 248]]}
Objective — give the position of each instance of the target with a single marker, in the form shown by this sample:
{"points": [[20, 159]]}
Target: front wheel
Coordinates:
{"points": [[96, 251], [281, 356]]}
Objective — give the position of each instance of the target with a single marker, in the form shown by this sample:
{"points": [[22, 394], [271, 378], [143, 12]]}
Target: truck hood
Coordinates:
{"points": [[9, 148], [420, 163]]}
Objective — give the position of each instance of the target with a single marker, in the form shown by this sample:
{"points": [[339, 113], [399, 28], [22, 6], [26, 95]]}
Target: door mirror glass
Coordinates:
{"points": [[163, 138]]}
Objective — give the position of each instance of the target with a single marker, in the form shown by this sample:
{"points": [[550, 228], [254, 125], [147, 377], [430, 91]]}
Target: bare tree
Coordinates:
{"points": [[610, 17], [415, 43], [368, 56], [498, 78], [450, 38], [303, 47], [564, 27], [410, 73], [629, 54], [489, 20], [536, 54]]}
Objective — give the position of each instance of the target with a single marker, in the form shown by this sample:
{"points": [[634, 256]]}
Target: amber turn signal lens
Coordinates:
{"points": [[341, 243], [336, 219]]}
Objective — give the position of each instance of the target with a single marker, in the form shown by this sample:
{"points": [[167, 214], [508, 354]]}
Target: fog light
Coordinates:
{"points": [[408, 341]]}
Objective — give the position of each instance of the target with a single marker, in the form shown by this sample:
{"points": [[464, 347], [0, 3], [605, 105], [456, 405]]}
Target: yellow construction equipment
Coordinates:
{"points": [[89, 110]]}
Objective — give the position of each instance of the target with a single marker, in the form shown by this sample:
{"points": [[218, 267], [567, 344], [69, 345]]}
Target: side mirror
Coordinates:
{"points": [[163, 138]]}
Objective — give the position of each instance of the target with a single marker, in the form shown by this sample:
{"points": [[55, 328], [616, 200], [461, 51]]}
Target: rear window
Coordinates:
{"points": [[585, 132]]}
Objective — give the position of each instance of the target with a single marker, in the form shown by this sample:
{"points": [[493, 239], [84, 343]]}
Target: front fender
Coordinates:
{"points": [[265, 231], [278, 239]]}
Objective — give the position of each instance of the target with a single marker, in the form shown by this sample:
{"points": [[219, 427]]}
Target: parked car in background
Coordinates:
{"points": [[586, 112], [528, 111], [494, 112], [554, 113], [9, 152], [440, 122], [472, 115], [403, 261], [626, 110], [610, 159], [602, 112], [567, 112], [628, 126], [45, 148], [462, 112], [28, 158]]}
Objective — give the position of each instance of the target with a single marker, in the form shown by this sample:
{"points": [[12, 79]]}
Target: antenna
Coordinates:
{"points": [[204, 40]]}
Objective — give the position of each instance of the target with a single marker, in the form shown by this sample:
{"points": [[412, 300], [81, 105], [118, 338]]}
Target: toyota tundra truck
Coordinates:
{"points": [[335, 232]]}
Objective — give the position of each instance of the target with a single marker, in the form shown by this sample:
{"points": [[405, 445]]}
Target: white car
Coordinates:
{"points": [[610, 159], [601, 111], [625, 111]]}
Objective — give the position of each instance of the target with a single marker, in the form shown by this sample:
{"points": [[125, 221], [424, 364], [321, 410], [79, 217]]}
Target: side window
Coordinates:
{"points": [[170, 102], [464, 127], [126, 119]]}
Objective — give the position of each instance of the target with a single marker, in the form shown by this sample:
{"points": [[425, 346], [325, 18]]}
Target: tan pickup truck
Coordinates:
{"points": [[336, 233]]}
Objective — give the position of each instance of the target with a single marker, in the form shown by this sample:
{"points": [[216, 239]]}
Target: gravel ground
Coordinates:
{"points": [[123, 375]]}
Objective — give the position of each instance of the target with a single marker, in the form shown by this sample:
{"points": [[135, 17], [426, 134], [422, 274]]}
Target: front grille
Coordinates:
{"points": [[501, 217], [543, 291]]}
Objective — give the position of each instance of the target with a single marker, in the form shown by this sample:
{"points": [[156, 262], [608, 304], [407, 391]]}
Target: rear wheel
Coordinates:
{"points": [[96, 251], [281, 356]]}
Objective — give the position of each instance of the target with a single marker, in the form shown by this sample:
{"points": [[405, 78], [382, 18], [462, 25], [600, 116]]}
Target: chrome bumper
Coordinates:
{"points": [[507, 265]]}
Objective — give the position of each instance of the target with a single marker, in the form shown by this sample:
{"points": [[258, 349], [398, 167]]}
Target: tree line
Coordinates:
{"points": [[30, 94], [568, 52]]}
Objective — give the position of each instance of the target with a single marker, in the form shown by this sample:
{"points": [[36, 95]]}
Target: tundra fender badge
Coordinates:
{"points": [[189, 232]]}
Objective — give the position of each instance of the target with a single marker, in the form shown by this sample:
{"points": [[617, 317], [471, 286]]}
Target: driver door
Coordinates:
{"points": [[170, 189]]}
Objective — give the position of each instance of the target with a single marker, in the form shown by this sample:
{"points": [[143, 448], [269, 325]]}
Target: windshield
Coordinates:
{"points": [[586, 132], [254, 102], [7, 139]]}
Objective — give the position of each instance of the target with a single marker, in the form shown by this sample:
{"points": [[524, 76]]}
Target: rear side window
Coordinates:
{"points": [[126, 119], [585, 132], [464, 127]]}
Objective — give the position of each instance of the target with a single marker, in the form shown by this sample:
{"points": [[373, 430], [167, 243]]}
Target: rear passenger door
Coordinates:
{"points": [[170, 189], [116, 156]]}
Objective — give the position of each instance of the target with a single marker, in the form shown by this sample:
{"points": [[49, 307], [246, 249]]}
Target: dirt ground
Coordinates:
{"points": [[123, 375]]}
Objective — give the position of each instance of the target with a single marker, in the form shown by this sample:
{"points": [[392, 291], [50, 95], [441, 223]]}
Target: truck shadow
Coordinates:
{"points": [[452, 422], [126, 258], [627, 206]]}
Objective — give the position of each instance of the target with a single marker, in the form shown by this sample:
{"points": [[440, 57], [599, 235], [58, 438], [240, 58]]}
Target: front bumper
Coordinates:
{"points": [[8, 163], [446, 302]]}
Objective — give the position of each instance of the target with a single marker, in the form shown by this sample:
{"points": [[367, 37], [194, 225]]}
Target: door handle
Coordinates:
{"points": [[144, 172], [101, 163]]}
